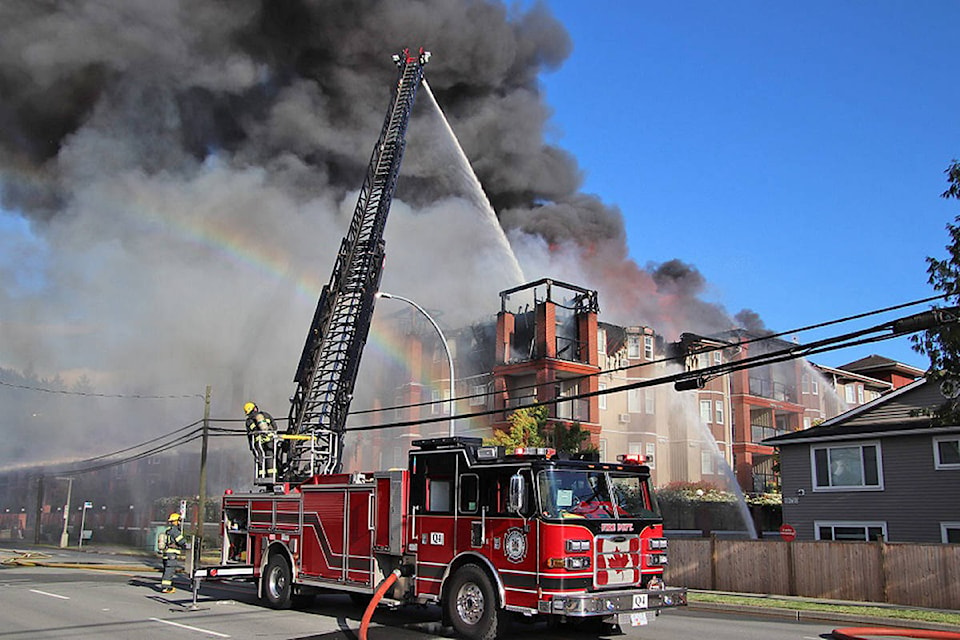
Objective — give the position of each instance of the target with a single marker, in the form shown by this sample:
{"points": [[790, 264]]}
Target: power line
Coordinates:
{"points": [[134, 396]]}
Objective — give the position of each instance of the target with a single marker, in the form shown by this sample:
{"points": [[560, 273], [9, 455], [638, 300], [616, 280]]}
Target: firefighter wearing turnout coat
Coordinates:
{"points": [[260, 435], [170, 544]]}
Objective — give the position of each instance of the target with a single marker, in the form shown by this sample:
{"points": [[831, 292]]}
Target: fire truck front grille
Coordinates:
{"points": [[618, 562]]}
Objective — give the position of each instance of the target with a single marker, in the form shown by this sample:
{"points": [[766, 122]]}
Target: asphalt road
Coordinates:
{"points": [[40, 602]]}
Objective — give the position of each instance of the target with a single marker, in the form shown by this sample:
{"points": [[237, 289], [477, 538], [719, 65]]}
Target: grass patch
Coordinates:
{"points": [[922, 615]]}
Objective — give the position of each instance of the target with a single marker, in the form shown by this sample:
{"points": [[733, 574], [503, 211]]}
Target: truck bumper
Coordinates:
{"points": [[609, 603]]}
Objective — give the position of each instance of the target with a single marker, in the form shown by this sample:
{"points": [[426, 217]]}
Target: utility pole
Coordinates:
{"points": [[36, 530], [64, 540], [202, 502]]}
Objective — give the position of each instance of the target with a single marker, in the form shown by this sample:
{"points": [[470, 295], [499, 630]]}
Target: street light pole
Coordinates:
{"points": [[443, 341]]}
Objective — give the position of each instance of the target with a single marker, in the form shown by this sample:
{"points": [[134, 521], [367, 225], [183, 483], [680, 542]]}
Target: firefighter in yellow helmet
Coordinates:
{"points": [[170, 544], [261, 433]]}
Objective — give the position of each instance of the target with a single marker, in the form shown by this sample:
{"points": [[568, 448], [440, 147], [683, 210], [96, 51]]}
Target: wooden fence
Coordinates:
{"points": [[923, 575]]}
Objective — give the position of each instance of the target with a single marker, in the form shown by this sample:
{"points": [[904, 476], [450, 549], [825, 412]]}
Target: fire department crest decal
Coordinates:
{"points": [[515, 545]]}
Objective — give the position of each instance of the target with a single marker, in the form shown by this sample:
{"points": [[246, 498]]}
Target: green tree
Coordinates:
{"points": [[526, 429], [942, 343], [572, 440]]}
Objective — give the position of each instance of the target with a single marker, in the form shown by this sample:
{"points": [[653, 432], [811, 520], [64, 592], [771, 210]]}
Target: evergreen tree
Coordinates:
{"points": [[942, 343]]}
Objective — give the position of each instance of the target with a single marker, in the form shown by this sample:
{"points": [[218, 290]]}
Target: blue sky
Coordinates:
{"points": [[793, 152]]}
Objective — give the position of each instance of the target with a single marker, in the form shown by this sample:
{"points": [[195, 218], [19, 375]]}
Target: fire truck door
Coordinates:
{"points": [[358, 536]]}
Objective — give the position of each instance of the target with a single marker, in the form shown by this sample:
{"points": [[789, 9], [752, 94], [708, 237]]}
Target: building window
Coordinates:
{"points": [[648, 347], [859, 394], [703, 360], [950, 532], [436, 406], [633, 346], [718, 411], [651, 450], [601, 341], [717, 357], [633, 400], [807, 423], [814, 387], [862, 531], [805, 383], [602, 398], [848, 393], [478, 395], [649, 401], [946, 452], [706, 411], [706, 463], [847, 467]]}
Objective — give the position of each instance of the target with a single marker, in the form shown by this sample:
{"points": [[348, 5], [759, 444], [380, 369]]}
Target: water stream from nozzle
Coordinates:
{"points": [[475, 193]]}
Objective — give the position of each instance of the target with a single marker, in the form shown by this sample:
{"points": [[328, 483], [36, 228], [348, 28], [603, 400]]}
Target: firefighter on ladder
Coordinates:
{"points": [[261, 433], [170, 543]]}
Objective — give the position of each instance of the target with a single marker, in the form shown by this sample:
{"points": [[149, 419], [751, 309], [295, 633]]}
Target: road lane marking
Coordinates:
{"points": [[52, 595], [186, 626]]}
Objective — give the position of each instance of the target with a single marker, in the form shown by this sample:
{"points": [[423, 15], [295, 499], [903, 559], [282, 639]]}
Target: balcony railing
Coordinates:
{"points": [[765, 388]]}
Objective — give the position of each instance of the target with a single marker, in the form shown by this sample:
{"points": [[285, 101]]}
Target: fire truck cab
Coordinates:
{"points": [[482, 532]]}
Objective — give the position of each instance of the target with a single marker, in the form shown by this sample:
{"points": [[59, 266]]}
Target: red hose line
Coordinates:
{"points": [[856, 633], [377, 595]]}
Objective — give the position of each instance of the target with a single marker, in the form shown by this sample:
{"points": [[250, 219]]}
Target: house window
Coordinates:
{"points": [[703, 360], [946, 452], [805, 383], [718, 411], [633, 346], [633, 400], [648, 347], [861, 531], [601, 341], [950, 532], [807, 423], [814, 387], [649, 401], [847, 467], [859, 394], [848, 393], [651, 450], [717, 357], [602, 398], [706, 411], [436, 407]]}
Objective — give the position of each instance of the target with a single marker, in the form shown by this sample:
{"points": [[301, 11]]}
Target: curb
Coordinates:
{"points": [[806, 615]]}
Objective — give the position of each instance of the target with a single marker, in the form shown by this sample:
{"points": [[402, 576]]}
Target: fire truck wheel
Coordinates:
{"points": [[277, 585], [471, 605]]}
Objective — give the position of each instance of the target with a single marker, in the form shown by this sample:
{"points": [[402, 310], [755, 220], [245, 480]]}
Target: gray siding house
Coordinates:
{"points": [[874, 471]]}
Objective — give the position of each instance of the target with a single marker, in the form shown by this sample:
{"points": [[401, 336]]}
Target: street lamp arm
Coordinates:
{"points": [[443, 341]]}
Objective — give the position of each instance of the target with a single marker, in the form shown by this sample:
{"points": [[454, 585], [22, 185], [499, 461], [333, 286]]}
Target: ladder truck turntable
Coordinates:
{"points": [[484, 532]]}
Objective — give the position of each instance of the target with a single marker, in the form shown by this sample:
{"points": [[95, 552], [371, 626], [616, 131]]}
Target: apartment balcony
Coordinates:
{"points": [[765, 388]]}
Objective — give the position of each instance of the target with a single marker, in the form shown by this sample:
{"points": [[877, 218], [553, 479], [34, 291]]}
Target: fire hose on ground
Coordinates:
{"points": [[859, 633], [377, 595]]}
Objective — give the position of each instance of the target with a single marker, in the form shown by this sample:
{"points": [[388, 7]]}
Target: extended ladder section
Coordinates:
{"points": [[331, 355]]}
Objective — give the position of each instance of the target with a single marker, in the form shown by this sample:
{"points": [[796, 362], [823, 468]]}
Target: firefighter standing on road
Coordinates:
{"points": [[261, 433], [170, 543]]}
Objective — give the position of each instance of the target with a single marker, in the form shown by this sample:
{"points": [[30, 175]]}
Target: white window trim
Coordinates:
{"points": [[943, 529], [813, 467], [602, 398], [936, 453], [848, 523]]}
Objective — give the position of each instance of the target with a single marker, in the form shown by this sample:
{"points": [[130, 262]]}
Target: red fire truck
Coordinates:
{"points": [[475, 529], [483, 532]]}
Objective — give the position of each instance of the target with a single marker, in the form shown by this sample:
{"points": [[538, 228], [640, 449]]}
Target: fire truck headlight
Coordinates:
{"points": [[574, 546], [577, 562], [658, 544]]}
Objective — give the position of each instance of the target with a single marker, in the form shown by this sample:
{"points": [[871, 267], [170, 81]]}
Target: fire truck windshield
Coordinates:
{"points": [[566, 493]]}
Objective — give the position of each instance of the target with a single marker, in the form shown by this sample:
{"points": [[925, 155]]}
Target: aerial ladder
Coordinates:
{"points": [[327, 372]]}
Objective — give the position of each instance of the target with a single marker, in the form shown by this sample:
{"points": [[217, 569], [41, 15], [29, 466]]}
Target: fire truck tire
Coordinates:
{"points": [[277, 583], [471, 605]]}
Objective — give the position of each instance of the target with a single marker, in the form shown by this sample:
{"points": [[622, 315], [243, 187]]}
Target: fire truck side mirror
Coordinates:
{"points": [[518, 493]]}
